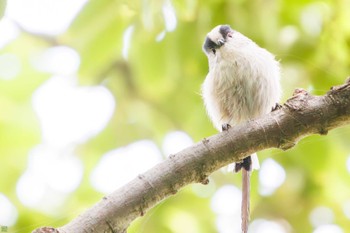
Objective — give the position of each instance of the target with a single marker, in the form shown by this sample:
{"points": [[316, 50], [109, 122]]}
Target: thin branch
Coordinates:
{"points": [[302, 115]]}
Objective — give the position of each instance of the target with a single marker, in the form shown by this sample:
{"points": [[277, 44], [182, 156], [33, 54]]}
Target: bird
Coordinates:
{"points": [[243, 83]]}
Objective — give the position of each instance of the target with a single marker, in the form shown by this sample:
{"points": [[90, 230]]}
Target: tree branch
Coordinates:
{"points": [[302, 115]]}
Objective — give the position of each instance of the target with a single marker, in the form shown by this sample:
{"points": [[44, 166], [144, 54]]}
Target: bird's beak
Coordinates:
{"points": [[221, 42]]}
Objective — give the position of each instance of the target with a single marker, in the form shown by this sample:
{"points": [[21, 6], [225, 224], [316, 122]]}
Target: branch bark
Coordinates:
{"points": [[302, 115]]}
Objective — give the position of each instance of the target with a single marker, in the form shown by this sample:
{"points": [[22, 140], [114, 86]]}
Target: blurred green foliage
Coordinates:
{"points": [[157, 90], [2, 8]]}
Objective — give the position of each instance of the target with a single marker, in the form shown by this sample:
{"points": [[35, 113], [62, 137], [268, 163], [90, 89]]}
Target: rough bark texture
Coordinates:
{"points": [[302, 115]]}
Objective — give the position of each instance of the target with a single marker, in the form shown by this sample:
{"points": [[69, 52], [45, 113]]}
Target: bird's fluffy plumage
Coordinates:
{"points": [[242, 84], [243, 79]]}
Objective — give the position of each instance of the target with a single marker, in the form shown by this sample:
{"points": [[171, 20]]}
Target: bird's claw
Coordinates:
{"points": [[276, 107], [225, 127]]}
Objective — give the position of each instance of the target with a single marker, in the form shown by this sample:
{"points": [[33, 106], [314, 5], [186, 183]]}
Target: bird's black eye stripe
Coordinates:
{"points": [[209, 45]]}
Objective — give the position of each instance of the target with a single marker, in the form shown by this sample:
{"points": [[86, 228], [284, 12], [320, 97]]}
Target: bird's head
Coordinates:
{"points": [[216, 39]]}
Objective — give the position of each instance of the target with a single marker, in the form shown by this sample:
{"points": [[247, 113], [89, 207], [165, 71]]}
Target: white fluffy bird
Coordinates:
{"points": [[242, 84]]}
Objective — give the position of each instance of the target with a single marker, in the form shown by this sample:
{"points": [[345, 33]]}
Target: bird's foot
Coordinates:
{"points": [[276, 107], [246, 164], [225, 127]]}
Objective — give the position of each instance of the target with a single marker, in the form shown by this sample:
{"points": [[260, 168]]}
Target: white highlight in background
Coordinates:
{"points": [[170, 20], [127, 41], [59, 168], [312, 18], [320, 216], [348, 164], [330, 228], [8, 31], [33, 192], [271, 176], [169, 16], [50, 17], [50, 172], [176, 141], [69, 113], [346, 209], [30, 189], [121, 165], [60, 60], [8, 212], [160, 36], [265, 226], [226, 203], [288, 35]]}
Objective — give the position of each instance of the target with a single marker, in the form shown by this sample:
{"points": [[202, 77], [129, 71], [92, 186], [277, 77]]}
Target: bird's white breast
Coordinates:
{"points": [[241, 85]]}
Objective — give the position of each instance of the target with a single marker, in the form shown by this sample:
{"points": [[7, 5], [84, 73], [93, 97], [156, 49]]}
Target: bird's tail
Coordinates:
{"points": [[245, 199], [249, 163]]}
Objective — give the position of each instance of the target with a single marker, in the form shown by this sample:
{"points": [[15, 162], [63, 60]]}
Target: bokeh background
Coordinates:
{"points": [[93, 93]]}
